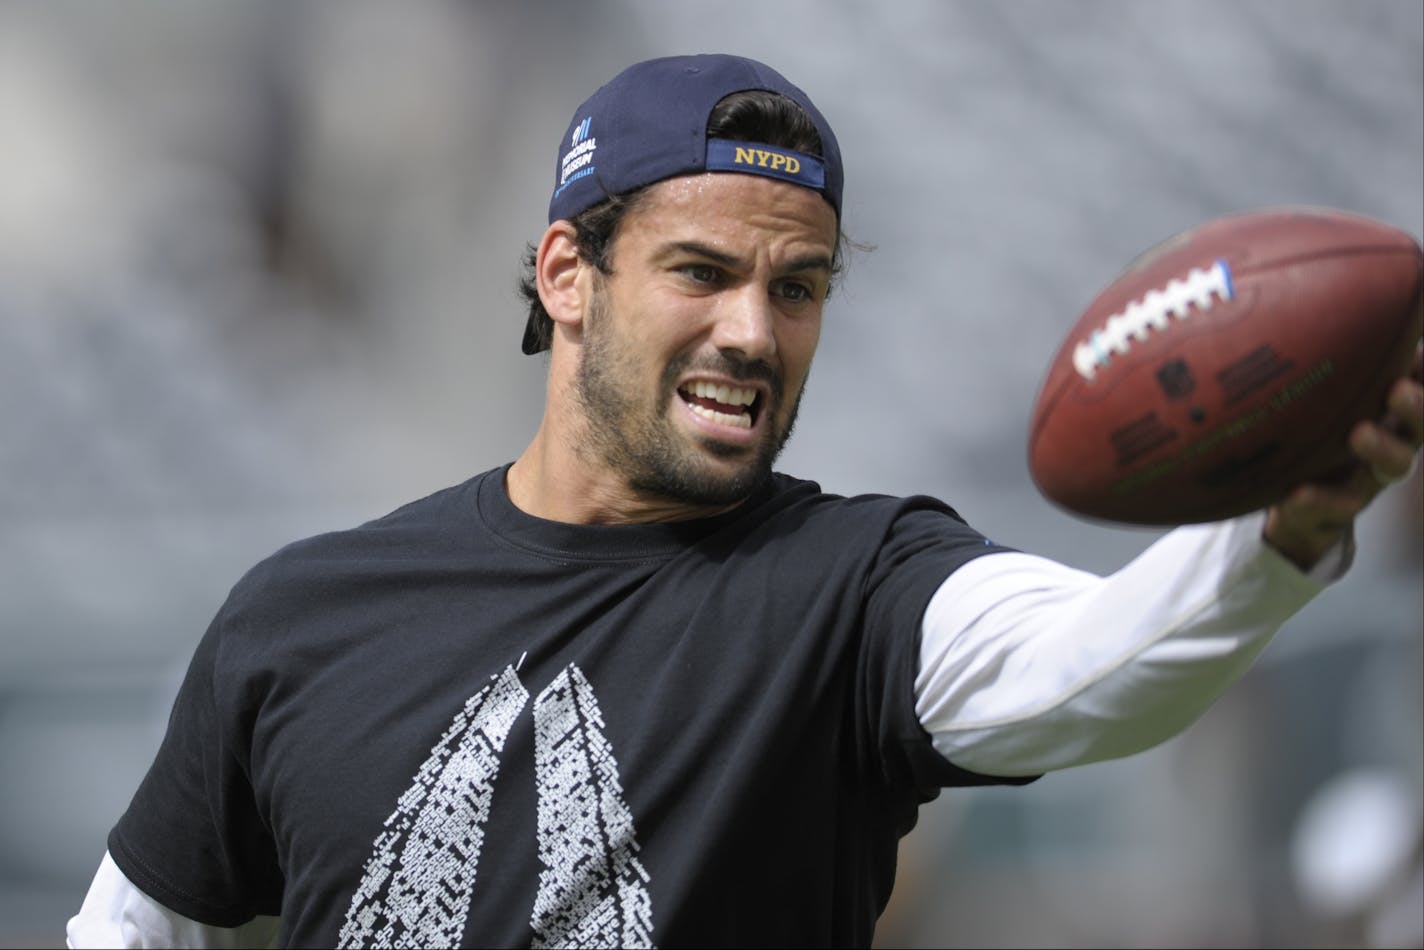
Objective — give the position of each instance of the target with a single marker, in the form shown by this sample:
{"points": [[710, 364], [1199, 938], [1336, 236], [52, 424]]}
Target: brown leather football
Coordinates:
{"points": [[1226, 366]]}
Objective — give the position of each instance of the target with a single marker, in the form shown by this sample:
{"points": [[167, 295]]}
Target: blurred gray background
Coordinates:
{"points": [[257, 265]]}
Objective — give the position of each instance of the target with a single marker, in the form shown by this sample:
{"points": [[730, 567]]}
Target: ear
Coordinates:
{"points": [[557, 268]]}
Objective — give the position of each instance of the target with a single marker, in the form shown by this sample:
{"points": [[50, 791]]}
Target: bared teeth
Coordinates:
{"points": [[742, 420], [727, 395], [720, 403]]}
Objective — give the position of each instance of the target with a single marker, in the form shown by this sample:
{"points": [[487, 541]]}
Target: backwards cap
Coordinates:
{"points": [[650, 123]]}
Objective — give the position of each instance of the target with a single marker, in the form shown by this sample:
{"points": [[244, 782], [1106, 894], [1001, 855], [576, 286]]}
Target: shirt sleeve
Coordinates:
{"points": [[115, 913], [1027, 665], [194, 836]]}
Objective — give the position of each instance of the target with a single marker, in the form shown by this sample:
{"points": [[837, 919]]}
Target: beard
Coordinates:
{"points": [[631, 432]]}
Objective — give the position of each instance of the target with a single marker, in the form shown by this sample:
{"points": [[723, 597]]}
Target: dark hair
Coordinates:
{"points": [[751, 116]]}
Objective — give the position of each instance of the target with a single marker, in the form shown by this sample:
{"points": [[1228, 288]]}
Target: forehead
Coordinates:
{"points": [[741, 211]]}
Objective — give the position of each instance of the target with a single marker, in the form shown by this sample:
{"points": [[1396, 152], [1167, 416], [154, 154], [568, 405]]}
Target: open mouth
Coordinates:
{"points": [[737, 406]]}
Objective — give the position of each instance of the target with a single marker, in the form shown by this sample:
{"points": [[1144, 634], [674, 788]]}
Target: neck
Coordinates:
{"points": [[551, 479]]}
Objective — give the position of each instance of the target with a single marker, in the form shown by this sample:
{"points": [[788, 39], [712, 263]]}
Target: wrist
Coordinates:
{"points": [[1325, 549]]}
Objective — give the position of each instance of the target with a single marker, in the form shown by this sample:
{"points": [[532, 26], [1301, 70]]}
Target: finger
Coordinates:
{"points": [[1405, 405], [1328, 509], [1386, 455]]}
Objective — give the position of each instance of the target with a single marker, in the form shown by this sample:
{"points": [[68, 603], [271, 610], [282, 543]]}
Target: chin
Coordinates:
{"points": [[706, 483]]}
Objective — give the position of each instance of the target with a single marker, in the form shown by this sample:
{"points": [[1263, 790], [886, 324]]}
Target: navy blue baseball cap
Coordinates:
{"points": [[649, 123]]}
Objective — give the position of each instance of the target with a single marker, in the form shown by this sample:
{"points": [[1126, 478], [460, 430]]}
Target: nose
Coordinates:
{"points": [[746, 323]]}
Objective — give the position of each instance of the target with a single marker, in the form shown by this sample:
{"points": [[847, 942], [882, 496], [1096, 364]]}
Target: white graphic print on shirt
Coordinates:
{"points": [[591, 891], [420, 878]]}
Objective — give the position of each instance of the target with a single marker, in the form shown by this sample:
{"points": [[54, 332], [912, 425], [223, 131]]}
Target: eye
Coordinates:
{"points": [[795, 291], [701, 273]]}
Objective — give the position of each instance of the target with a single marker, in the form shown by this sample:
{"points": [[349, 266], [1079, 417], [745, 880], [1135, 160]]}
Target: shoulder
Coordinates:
{"points": [[329, 561], [792, 495], [863, 532]]}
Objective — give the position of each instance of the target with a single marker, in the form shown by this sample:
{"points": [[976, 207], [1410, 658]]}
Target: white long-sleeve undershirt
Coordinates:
{"points": [[115, 913], [1027, 665]]}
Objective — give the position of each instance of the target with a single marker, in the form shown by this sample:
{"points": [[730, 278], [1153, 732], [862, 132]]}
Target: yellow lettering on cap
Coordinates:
{"points": [[762, 158]]}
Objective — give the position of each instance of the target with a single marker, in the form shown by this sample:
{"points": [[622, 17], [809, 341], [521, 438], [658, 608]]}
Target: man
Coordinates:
{"points": [[635, 688]]}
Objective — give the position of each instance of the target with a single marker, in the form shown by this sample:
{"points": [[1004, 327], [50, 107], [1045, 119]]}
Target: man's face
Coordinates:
{"points": [[697, 347]]}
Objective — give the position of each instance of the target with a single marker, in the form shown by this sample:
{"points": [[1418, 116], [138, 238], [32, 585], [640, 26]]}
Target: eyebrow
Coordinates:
{"points": [[810, 262]]}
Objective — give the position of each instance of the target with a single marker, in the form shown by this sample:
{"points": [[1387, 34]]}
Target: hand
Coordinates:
{"points": [[1313, 517]]}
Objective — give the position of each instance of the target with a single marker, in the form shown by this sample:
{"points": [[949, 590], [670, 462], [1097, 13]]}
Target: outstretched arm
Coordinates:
{"points": [[1028, 666]]}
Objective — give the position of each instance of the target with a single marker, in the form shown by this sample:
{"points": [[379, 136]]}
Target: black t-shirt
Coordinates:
{"points": [[463, 724]]}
